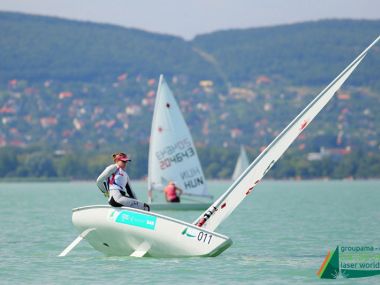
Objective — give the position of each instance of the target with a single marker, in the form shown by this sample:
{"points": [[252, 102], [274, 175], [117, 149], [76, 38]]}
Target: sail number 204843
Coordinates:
{"points": [[204, 237], [176, 158]]}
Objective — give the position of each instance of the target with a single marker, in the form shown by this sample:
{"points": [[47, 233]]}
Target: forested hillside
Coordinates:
{"points": [[304, 54], [39, 48]]}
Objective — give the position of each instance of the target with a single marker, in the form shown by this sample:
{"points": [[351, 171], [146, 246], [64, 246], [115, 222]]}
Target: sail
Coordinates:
{"points": [[172, 155], [241, 164], [225, 204]]}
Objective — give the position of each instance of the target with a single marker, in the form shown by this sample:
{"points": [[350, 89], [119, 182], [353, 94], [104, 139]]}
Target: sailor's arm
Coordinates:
{"points": [[101, 181]]}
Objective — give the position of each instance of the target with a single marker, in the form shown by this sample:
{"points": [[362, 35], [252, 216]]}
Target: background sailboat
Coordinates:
{"points": [[242, 163], [173, 157]]}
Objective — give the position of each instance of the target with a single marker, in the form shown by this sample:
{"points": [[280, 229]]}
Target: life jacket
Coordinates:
{"points": [[111, 179], [117, 180], [170, 192]]}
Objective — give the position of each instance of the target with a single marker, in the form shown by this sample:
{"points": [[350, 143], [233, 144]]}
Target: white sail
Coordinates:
{"points": [[172, 155], [241, 164], [223, 206]]}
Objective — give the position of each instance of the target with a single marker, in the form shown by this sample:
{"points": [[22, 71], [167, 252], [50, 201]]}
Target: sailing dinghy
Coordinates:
{"points": [[127, 231], [242, 164], [173, 157]]}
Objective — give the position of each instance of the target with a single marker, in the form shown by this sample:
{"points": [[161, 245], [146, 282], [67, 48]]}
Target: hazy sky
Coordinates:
{"points": [[193, 17]]}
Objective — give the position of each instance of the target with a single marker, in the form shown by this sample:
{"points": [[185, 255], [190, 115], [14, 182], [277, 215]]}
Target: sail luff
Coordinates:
{"points": [[223, 206], [154, 123]]}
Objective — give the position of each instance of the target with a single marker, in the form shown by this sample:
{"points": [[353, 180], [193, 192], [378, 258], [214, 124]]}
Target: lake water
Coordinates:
{"points": [[281, 234]]}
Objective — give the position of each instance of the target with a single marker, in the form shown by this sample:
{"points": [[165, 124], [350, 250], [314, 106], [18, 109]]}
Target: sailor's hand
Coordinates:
{"points": [[146, 207]]}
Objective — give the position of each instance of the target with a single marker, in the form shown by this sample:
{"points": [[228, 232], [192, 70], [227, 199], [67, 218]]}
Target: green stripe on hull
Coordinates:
{"points": [[136, 219]]}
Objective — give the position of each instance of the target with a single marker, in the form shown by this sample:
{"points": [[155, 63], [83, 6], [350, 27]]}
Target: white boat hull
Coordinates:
{"points": [[127, 231]]}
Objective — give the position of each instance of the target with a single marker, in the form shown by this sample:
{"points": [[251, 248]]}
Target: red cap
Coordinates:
{"points": [[122, 157]]}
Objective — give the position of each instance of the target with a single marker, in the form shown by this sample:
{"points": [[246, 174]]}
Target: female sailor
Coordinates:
{"points": [[114, 183]]}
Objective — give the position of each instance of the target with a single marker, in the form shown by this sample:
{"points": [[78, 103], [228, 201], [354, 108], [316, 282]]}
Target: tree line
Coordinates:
{"points": [[218, 163]]}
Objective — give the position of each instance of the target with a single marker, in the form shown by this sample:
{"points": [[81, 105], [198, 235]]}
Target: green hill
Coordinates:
{"points": [[39, 48], [308, 53]]}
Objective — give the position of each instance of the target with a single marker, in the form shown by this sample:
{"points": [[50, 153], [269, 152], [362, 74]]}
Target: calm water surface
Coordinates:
{"points": [[281, 234]]}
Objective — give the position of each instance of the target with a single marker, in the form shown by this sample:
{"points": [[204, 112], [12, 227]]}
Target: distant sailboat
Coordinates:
{"points": [[129, 231], [173, 157], [241, 164]]}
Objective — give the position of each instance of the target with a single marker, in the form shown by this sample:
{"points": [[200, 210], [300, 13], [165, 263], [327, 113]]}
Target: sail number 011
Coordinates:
{"points": [[204, 237]]}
